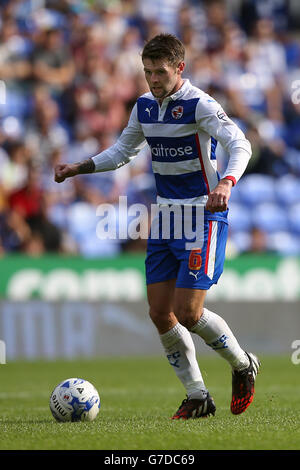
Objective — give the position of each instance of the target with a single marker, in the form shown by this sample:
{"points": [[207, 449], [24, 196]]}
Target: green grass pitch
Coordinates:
{"points": [[138, 396]]}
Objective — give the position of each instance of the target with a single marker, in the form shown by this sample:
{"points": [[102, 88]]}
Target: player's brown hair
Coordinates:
{"points": [[164, 46]]}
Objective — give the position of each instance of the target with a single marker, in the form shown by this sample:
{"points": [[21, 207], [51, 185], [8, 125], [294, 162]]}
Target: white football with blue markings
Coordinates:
{"points": [[74, 400]]}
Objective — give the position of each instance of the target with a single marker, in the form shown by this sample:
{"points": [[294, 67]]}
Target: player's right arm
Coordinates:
{"points": [[65, 170], [128, 145]]}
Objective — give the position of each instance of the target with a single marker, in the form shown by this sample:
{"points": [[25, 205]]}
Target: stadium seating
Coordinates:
{"points": [[294, 218], [284, 243], [287, 189], [269, 217], [241, 241], [255, 188], [240, 217]]}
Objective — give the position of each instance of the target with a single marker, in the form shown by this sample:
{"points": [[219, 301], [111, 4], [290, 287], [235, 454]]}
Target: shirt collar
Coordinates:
{"points": [[179, 93]]}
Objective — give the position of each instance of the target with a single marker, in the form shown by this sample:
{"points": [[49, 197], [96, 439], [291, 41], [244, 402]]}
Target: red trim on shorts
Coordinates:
{"points": [[208, 246]]}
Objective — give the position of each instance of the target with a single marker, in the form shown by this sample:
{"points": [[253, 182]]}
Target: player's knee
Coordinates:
{"points": [[156, 315], [159, 317], [188, 317]]}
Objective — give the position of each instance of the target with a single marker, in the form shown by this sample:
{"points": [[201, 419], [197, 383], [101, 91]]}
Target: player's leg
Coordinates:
{"points": [[216, 333], [213, 329], [175, 338], [161, 273], [160, 299], [198, 271]]}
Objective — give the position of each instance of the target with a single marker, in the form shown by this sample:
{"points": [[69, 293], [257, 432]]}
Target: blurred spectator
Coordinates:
{"points": [[252, 10], [14, 231], [14, 166], [44, 131], [29, 205], [52, 62], [164, 13], [14, 65], [258, 241]]}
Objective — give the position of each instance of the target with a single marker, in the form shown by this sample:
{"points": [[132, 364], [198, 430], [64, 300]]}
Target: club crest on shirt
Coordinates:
{"points": [[177, 112]]}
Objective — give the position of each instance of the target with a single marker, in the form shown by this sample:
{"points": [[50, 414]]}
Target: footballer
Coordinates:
{"points": [[182, 126]]}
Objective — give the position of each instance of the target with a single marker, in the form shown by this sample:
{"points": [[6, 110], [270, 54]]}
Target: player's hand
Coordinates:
{"points": [[64, 170], [219, 197]]}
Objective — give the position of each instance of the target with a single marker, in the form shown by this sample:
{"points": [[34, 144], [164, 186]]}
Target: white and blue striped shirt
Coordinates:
{"points": [[182, 135]]}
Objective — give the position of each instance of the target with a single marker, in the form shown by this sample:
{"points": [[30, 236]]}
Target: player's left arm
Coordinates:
{"points": [[218, 198], [212, 119]]}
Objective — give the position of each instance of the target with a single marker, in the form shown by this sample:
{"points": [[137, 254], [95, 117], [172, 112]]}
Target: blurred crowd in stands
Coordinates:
{"points": [[70, 72]]}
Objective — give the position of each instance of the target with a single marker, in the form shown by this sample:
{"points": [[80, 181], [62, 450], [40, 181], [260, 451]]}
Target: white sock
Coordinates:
{"points": [[180, 351], [217, 334]]}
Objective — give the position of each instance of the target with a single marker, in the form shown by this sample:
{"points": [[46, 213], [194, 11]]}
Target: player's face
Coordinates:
{"points": [[163, 79]]}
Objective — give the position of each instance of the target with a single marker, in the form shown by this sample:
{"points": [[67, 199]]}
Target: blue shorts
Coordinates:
{"points": [[170, 254]]}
